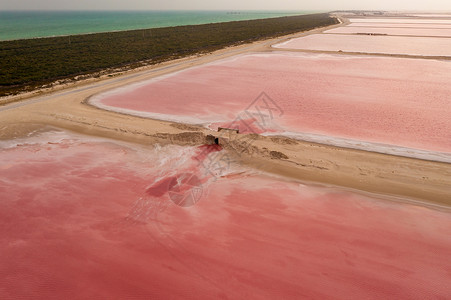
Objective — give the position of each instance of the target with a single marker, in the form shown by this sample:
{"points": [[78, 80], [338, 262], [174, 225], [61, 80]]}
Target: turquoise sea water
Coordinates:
{"points": [[32, 24]]}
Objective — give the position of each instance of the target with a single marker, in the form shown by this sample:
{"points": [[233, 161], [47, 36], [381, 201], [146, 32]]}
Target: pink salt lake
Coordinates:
{"points": [[392, 31], [401, 20], [395, 101], [403, 45], [401, 25], [92, 218]]}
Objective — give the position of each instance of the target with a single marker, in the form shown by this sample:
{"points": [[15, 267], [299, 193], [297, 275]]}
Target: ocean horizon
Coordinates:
{"points": [[16, 25]]}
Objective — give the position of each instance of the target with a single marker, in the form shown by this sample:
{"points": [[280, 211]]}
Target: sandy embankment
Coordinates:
{"points": [[372, 172]]}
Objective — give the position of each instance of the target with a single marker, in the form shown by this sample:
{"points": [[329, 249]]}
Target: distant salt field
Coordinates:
{"points": [[400, 25], [385, 100], [400, 20], [431, 15], [420, 46], [392, 31]]}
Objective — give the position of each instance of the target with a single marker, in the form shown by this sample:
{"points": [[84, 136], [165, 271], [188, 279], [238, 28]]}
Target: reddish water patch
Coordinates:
{"points": [[161, 187], [203, 151], [185, 189], [422, 46], [72, 227], [396, 101]]}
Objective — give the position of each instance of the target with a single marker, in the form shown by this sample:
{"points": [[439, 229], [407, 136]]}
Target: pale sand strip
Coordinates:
{"points": [[366, 171]]}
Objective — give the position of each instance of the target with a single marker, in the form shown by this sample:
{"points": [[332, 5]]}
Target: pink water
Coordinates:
{"points": [[423, 46], [401, 20], [431, 15], [400, 25], [404, 102], [90, 219], [393, 31]]}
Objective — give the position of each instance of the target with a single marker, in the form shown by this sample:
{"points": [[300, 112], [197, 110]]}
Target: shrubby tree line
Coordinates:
{"points": [[30, 63]]}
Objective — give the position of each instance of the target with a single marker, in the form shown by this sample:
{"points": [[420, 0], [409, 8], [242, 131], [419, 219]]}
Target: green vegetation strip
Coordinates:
{"points": [[31, 63]]}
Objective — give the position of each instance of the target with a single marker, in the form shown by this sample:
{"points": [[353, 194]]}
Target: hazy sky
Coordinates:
{"points": [[433, 5]]}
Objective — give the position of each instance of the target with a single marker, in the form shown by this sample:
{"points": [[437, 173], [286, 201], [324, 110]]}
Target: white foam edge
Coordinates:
{"points": [[367, 146]]}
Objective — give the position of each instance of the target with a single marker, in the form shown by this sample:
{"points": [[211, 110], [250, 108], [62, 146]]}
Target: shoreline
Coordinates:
{"points": [[112, 73], [113, 52], [366, 171], [269, 14]]}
